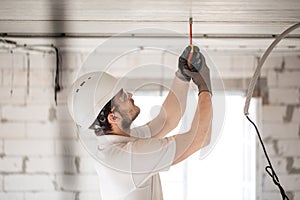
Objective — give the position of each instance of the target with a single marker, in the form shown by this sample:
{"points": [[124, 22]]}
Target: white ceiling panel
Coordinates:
{"points": [[232, 24]]}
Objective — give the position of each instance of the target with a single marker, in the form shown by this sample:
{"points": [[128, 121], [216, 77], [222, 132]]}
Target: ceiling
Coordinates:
{"points": [[219, 25]]}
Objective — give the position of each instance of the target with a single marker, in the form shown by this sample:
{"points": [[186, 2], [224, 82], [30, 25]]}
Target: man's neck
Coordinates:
{"points": [[118, 131]]}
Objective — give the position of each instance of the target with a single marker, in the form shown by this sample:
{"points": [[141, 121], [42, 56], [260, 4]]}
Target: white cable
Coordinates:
{"points": [[261, 62]]}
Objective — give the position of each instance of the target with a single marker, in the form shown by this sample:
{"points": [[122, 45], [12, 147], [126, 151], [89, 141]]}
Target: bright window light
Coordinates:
{"points": [[229, 170]]}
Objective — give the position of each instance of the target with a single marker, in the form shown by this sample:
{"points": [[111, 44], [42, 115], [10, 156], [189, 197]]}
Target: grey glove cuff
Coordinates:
{"points": [[201, 79]]}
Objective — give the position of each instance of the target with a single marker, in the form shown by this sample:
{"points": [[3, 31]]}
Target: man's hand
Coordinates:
{"points": [[198, 71], [183, 62]]}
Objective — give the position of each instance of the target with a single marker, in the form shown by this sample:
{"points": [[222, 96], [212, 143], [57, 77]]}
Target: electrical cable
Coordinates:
{"points": [[269, 169], [12, 45], [262, 61], [12, 73], [57, 87]]}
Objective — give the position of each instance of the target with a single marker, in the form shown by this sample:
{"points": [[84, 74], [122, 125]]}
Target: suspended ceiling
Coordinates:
{"points": [[226, 24]]}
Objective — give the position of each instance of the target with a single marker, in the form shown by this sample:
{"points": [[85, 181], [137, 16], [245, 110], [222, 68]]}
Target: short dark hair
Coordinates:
{"points": [[101, 122]]}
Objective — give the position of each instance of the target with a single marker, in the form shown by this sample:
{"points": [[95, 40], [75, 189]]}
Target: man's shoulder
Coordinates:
{"points": [[141, 131]]}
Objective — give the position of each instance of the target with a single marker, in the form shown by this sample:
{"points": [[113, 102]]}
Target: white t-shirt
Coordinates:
{"points": [[128, 166]]}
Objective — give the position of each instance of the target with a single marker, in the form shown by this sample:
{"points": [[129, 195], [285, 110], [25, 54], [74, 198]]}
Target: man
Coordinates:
{"points": [[129, 160]]}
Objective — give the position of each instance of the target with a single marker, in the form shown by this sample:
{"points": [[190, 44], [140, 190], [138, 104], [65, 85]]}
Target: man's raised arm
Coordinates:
{"points": [[174, 105]]}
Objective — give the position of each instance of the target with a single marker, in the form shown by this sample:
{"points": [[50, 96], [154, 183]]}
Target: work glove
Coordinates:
{"points": [[198, 71], [183, 62]]}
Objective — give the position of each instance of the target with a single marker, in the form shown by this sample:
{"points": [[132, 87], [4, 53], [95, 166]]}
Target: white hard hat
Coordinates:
{"points": [[89, 94]]}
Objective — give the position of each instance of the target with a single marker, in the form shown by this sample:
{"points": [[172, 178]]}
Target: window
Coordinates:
{"points": [[229, 170]]}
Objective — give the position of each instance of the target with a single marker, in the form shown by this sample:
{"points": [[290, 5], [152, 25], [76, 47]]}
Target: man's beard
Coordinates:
{"points": [[126, 122]]}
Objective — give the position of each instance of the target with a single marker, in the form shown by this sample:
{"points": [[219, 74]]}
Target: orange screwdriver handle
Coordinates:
{"points": [[190, 55], [191, 43]]}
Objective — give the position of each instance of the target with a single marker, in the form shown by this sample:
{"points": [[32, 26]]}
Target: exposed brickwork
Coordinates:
{"points": [[40, 154], [281, 121]]}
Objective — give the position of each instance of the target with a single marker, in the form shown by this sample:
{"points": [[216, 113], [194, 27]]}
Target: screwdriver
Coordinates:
{"points": [[191, 42]]}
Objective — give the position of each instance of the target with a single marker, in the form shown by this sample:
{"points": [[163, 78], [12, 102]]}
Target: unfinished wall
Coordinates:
{"points": [[41, 157], [281, 125]]}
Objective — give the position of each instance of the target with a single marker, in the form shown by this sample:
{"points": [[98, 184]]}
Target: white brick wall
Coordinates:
{"points": [[289, 147], [69, 148], [50, 165], [40, 96], [12, 130], [42, 77], [62, 97], [17, 96], [78, 182], [273, 62], [272, 78], [29, 147], [273, 113], [280, 130], [71, 60], [21, 182], [25, 113], [297, 195], [11, 164], [89, 195], [296, 163], [63, 114], [38, 61], [296, 114], [41, 157], [50, 130], [38, 141], [70, 78], [11, 196], [283, 135], [270, 149], [272, 196], [1, 182], [284, 95], [1, 147], [87, 165], [50, 196], [279, 164], [18, 60], [289, 79], [15, 77], [289, 182], [292, 62]]}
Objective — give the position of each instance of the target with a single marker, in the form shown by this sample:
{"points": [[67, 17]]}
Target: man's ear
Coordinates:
{"points": [[112, 119]]}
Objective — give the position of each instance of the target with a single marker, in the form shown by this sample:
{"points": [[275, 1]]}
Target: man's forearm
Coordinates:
{"points": [[175, 103], [199, 134], [201, 125], [172, 109]]}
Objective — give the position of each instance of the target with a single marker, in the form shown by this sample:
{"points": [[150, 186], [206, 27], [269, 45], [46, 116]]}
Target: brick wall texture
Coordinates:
{"points": [[40, 154], [281, 127], [41, 157]]}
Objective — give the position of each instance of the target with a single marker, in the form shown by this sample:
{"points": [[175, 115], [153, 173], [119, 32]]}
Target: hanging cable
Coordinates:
{"points": [[40, 48], [28, 74], [269, 169], [12, 73], [57, 87]]}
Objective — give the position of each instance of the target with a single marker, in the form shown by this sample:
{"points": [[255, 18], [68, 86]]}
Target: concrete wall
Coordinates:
{"points": [[40, 154]]}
